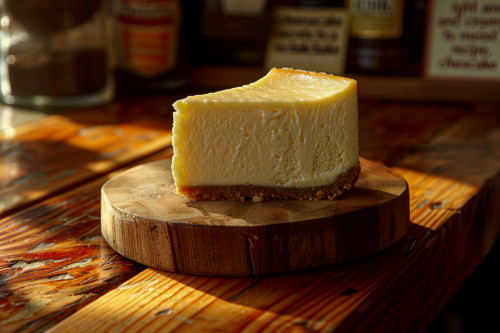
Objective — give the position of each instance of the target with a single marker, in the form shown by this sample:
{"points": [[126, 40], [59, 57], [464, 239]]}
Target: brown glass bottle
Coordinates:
{"points": [[386, 37], [150, 53]]}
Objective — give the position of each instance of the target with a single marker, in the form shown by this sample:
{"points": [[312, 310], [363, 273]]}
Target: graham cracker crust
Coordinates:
{"points": [[264, 193]]}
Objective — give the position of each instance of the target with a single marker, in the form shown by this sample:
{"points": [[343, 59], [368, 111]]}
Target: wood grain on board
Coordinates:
{"points": [[144, 219]]}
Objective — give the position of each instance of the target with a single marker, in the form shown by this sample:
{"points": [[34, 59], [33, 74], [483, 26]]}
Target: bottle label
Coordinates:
{"points": [[376, 18], [146, 33]]}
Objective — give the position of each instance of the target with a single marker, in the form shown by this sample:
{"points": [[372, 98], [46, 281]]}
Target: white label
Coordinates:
{"points": [[309, 38], [463, 39]]}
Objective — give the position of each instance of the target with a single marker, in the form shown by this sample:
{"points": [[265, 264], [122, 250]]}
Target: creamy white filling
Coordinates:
{"points": [[301, 143]]}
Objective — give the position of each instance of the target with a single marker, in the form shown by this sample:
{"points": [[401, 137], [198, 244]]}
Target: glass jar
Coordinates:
{"points": [[54, 53]]}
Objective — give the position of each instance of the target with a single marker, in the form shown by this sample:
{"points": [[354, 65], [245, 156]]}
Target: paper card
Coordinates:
{"points": [[309, 38], [463, 40]]}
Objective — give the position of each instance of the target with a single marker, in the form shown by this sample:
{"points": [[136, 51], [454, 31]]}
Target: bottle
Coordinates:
{"points": [[386, 36], [54, 53], [149, 53]]}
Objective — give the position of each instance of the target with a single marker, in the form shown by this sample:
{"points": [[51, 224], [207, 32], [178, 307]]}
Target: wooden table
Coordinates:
{"points": [[57, 274]]}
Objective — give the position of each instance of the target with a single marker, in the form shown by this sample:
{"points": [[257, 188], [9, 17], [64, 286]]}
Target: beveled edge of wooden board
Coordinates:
{"points": [[198, 245]]}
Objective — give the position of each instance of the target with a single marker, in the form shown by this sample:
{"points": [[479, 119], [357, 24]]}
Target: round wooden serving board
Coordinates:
{"points": [[145, 220]]}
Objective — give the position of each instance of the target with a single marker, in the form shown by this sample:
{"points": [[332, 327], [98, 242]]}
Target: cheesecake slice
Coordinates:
{"points": [[293, 134]]}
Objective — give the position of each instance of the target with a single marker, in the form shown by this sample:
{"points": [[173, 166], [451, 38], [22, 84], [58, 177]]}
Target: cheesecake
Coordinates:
{"points": [[291, 135]]}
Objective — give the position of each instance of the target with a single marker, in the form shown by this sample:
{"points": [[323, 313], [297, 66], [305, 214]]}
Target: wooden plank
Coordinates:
{"points": [[389, 131], [53, 260], [63, 150], [294, 301], [399, 289], [416, 89]]}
